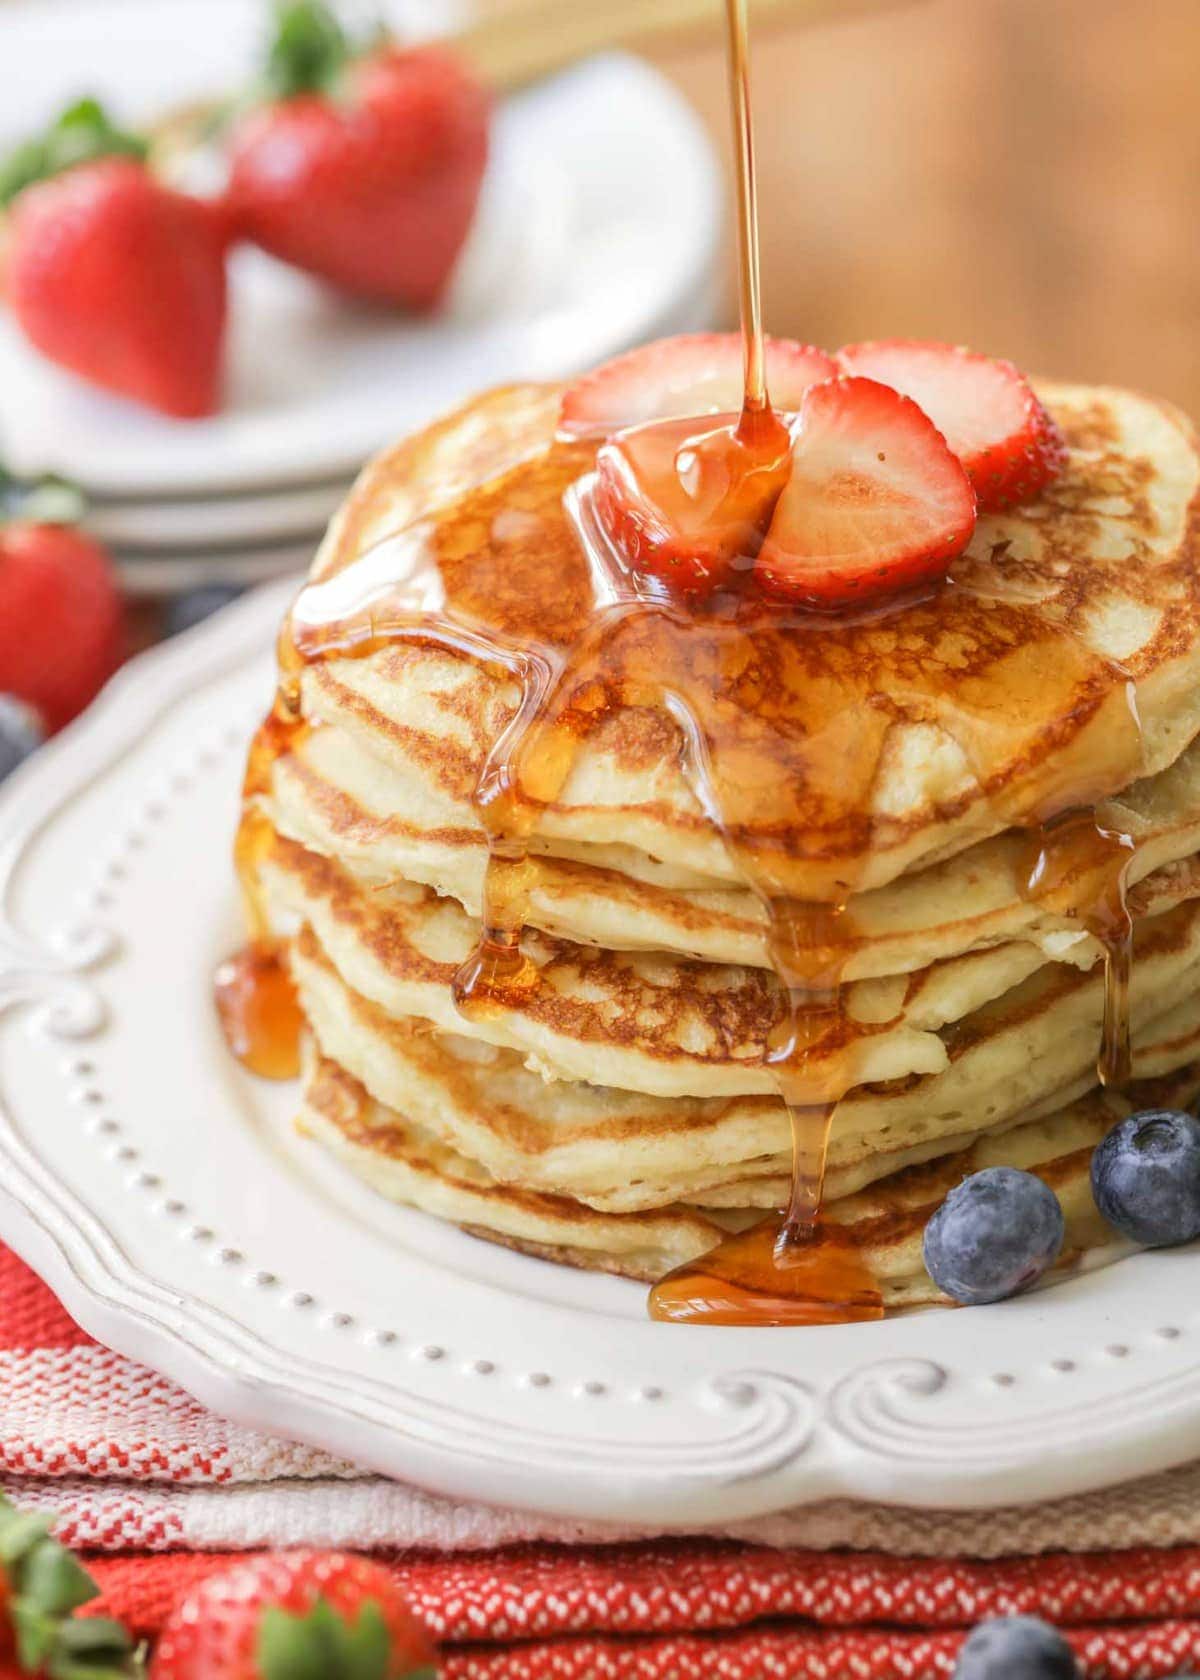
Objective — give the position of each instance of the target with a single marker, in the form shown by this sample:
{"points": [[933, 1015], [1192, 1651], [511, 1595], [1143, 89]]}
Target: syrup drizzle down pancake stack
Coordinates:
{"points": [[646, 934]]}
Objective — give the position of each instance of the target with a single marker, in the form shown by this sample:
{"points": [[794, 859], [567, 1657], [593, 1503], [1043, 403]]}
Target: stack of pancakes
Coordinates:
{"points": [[621, 1113]]}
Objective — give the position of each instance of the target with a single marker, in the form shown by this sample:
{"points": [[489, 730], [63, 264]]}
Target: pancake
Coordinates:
{"points": [[619, 1152], [897, 741], [386, 821], [404, 1162], [671, 1028]]}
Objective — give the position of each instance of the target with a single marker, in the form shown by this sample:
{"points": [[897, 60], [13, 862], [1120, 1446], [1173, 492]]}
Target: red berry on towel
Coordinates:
{"points": [[291, 1614]]}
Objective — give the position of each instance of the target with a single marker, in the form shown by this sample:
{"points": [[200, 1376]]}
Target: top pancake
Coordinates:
{"points": [[848, 752]]}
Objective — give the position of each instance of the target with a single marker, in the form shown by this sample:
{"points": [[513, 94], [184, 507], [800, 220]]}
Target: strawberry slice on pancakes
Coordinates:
{"points": [[876, 501], [689, 500], [985, 409], [693, 375]]}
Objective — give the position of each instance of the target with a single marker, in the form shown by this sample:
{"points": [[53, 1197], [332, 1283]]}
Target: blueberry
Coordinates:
{"points": [[1016, 1648], [195, 605], [1146, 1177], [21, 733], [995, 1233]]}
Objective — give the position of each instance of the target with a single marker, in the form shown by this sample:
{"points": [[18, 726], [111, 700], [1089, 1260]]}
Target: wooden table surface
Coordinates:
{"points": [[1021, 175]]}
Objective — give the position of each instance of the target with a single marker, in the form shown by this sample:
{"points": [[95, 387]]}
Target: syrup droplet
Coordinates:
{"points": [[259, 1011]]}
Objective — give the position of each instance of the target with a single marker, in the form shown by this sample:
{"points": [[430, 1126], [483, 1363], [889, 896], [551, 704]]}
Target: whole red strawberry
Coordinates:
{"points": [[122, 280], [367, 173], [292, 1615], [62, 624]]}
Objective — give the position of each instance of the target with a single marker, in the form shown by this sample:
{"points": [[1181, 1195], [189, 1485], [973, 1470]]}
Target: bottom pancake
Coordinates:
{"points": [[407, 1163]]}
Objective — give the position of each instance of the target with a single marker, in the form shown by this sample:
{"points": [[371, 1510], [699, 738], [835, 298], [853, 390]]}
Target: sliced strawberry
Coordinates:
{"points": [[695, 374], [688, 500], [984, 408], [876, 500]]}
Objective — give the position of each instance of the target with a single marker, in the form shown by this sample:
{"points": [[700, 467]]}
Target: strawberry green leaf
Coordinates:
{"points": [[35, 1633], [24, 165], [94, 1648], [364, 1648], [54, 1581], [308, 51], [323, 1645], [83, 133], [94, 1636], [292, 1647], [20, 1532]]}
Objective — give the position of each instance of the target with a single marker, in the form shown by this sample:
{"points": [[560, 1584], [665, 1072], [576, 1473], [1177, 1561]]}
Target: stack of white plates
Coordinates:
{"points": [[599, 226]]}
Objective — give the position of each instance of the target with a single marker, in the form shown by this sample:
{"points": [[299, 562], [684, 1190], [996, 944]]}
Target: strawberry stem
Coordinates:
{"points": [[81, 134]]}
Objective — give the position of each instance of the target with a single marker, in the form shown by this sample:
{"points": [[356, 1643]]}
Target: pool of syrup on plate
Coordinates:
{"points": [[780, 714]]}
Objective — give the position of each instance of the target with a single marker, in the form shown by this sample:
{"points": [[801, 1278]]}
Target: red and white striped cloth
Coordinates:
{"points": [[157, 1492]]}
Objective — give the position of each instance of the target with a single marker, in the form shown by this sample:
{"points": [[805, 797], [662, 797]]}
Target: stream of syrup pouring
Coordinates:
{"points": [[773, 713], [788, 1269]]}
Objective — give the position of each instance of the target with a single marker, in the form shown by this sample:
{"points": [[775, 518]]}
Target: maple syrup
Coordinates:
{"points": [[817, 1275], [789, 1270], [259, 1011], [1079, 866], [779, 712]]}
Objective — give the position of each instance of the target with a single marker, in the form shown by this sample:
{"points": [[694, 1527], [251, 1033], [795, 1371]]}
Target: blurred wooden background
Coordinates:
{"points": [[1022, 175]]}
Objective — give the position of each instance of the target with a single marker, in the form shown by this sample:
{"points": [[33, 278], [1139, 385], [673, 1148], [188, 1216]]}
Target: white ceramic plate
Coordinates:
{"points": [[599, 223], [164, 1196]]}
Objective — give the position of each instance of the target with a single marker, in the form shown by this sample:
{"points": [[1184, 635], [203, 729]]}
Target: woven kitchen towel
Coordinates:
{"points": [[157, 1492], [667, 1611]]}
